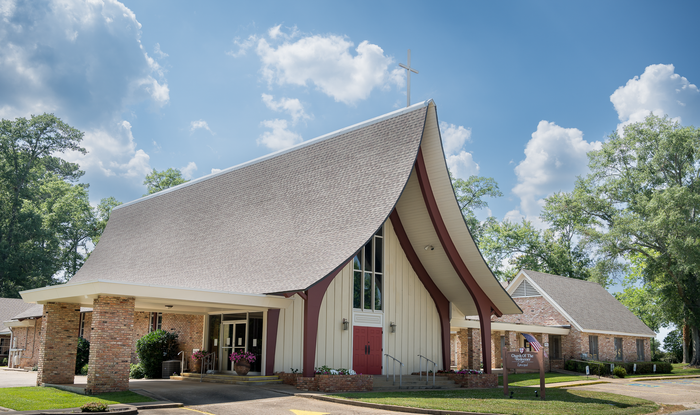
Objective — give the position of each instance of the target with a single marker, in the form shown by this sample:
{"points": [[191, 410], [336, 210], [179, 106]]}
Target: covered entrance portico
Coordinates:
{"points": [[246, 322]]}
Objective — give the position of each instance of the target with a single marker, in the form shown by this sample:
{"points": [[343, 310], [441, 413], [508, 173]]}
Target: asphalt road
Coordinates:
{"points": [[684, 392]]}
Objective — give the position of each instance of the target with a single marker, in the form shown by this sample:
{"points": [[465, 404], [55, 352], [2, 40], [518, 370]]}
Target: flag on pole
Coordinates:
{"points": [[536, 346]]}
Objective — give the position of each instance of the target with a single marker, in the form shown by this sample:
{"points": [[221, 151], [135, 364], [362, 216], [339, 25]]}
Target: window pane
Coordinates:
{"points": [[368, 256], [357, 290], [378, 255], [380, 231], [356, 262], [377, 292], [368, 291], [618, 348]]}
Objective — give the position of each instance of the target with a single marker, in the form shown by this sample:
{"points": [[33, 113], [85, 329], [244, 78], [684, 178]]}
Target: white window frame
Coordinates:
{"points": [[373, 272]]}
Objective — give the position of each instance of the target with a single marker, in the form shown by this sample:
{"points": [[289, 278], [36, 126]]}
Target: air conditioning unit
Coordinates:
{"points": [[584, 356], [170, 367]]}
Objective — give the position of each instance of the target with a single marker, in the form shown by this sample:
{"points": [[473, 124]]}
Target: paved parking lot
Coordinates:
{"points": [[684, 392]]}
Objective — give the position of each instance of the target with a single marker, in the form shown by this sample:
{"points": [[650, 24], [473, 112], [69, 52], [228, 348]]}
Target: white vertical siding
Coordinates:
{"points": [[407, 303]]}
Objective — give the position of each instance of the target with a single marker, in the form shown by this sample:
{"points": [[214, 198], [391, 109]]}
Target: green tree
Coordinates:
{"points": [[643, 197], [156, 181], [29, 163], [470, 197], [103, 210], [673, 344]]}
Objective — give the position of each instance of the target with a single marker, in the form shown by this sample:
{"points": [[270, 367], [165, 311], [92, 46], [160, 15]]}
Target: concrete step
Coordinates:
{"points": [[228, 379]]}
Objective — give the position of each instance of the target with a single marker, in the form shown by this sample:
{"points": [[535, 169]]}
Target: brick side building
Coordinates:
{"points": [[572, 319]]}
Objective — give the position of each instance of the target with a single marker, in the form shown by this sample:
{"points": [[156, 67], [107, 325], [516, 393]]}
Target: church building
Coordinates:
{"points": [[344, 251]]}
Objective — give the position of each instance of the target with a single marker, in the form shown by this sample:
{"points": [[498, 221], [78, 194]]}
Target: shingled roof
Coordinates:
{"points": [[591, 306], [9, 308], [277, 224]]}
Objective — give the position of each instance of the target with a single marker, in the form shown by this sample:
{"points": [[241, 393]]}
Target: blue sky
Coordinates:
{"points": [[524, 89]]}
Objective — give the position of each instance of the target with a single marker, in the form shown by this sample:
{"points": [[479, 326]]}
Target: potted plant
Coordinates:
{"points": [[241, 362]]}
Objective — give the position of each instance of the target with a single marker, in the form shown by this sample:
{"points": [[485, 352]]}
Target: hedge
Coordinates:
{"points": [[603, 368]]}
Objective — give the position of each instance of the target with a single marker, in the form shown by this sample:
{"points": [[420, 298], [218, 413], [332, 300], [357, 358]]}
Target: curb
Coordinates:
{"points": [[650, 378], [393, 408], [119, 408], [595, 382]]}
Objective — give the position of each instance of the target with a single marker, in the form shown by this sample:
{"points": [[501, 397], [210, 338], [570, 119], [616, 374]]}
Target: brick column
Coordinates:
{"points": [[59, 344], [496, 349], [463, 349], [110, 348], [511, 341], [474, 346]]}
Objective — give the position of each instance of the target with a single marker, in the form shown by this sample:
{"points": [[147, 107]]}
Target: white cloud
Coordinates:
{"points": [[326, 62], [274, 32], [454, 137], [215, 170], [188, 170], [194, 125], [243, 46], [462, 164], [112, 151], [553, 158], [292, 106], [158, 52], [280, 137], [659, 90], [85, 62]]}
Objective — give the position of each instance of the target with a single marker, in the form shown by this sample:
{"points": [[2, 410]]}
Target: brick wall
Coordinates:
{"points": [[336, 383], [111, 346], [59, 343], [190, 331], [606, 347], [536, 310], [87, 325], [455, 350], [288, 378], [29, 339]]}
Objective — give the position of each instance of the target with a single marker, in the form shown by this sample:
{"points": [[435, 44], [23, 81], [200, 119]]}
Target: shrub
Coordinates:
{"points": [[83, 356], [603, 368], [94, 407], [84, 370], [154, 348], [4, 361], [619, 371], [136, 371]]}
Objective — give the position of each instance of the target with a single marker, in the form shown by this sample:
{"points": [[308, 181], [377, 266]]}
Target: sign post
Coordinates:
{"points": [[524, 360]]}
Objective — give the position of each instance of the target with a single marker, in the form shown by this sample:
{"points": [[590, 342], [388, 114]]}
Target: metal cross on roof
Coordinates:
{"points": [[408, 83]]}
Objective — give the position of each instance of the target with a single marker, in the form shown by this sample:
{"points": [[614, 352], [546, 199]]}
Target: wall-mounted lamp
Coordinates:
{"points": [[346, 324], [168, 307], [392, 327], [429, 248]]}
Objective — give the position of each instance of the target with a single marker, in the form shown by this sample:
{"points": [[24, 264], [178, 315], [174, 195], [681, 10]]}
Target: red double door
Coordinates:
{"points": [[367, 350]]}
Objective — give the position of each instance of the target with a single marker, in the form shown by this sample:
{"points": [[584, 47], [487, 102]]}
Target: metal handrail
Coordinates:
{"points": [[206, 361], [420, 373], [393, 369]]}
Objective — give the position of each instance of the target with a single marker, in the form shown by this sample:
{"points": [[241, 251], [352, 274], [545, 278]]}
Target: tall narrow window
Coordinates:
{"points": [[555, 346], [368, 275], [618, 348], [640, 350], [82, 326], [156, 322], [593, 347]]}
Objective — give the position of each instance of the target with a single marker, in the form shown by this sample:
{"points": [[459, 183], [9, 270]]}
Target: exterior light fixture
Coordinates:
{"points": [[392, 327], [429, 248], [346, 324], [168, 307]]}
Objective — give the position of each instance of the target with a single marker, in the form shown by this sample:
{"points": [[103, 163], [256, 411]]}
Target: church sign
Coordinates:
{"points": [[523, 359]]}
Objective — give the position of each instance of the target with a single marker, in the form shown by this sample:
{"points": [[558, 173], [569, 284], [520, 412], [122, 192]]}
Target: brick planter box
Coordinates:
{"points": [[484, 380], [335, 383], [288, 378]]}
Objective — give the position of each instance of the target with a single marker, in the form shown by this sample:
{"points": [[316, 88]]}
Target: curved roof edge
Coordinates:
{"points": [[280, 152]]}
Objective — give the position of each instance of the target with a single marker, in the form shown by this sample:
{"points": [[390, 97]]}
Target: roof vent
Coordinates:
{"points": [[525, 290]]}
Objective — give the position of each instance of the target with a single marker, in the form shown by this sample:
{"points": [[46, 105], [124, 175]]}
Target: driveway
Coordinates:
{"points": [[12, 378], [684, 392]]}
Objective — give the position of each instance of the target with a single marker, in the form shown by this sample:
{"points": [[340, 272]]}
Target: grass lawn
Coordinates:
{"points": [[33, 398], [533, 379], [559, 401]]}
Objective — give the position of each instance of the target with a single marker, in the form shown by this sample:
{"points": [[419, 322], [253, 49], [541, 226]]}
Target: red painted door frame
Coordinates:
{"points": [[367, 350]]}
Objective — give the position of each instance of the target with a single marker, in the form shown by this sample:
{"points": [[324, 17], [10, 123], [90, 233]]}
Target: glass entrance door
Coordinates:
{"points": [[234, 341]]}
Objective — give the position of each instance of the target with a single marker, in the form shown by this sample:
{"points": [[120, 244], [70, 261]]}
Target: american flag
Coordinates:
{"points": [[536, 346]]}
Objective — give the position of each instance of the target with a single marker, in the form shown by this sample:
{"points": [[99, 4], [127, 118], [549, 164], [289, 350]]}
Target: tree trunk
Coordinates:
{"points": [[696, 343], [686, 343]]}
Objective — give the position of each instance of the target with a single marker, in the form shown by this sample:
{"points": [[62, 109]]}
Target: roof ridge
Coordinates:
{"points": [[284, 151], [561, 276]]}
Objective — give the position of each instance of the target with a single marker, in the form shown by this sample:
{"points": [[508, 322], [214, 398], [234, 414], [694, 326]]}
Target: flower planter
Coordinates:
{"points": [[336, 383], [242, 367]]}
